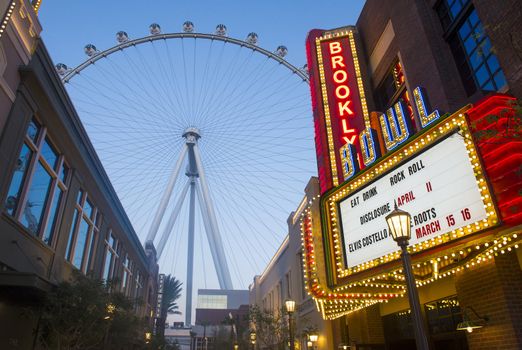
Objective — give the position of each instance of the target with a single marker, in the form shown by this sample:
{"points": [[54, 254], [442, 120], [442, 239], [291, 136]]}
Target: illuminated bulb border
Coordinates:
{"points": [[338, 302], [8, 16], [324, 93]]}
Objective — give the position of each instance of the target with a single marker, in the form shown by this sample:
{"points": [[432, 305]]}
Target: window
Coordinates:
{"points": [[302, 280], [127, 275], [84, 232], [443, 315], [477, 64], [279, 295], [392, 89], [288, 286], [111, 257], [139, 286], [38, 184], [207, 301]]}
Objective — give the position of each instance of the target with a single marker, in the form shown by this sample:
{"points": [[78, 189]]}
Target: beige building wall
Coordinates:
{"points": [[283, 279], [17, 43]]}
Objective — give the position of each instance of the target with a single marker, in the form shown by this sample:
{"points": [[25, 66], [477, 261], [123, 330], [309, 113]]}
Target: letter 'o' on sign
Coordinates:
{"points": [[342, 91], [340, 76]]}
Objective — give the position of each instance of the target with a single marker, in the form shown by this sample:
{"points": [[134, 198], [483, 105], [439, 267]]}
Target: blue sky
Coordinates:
{"points": [[71, 24], [274, 167]]}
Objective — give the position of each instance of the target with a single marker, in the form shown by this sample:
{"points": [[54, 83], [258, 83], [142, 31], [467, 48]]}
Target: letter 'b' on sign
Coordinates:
{"points": [[350, 165], [335, 47]]}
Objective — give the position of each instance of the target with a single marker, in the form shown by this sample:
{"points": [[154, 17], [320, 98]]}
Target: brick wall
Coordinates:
{"points": [[426, 57], [503, 24], [494, 289]]}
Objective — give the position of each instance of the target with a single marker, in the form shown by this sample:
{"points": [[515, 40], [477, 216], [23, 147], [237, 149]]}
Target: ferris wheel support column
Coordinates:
{"points": [[208, 230], [190, 251], [222, 266], [166, 196], [172, 220]]}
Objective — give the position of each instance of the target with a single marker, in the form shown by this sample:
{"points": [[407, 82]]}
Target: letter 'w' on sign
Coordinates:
{"points": [[422, 105], [350, 166], [396, 127]]}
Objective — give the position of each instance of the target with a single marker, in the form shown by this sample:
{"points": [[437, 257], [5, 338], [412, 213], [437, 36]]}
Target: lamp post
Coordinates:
{"points": [[399, 224], [290, 308]]}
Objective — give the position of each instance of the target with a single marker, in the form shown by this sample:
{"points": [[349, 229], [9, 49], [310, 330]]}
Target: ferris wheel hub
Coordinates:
{"points": [[191, 134]]}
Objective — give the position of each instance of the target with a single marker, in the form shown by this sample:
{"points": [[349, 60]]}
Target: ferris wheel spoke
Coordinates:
{"points": [[216, 90], [168, 89], [220, 109], [203, 83], [186, 87], [225, 211], [211, 88], [248, 106], [176, 89], [123, 102], [154, 81], [245, 178], [253, 210], [225, 98], [130, 87], [256, 231], [252, 114], [151, 101]]}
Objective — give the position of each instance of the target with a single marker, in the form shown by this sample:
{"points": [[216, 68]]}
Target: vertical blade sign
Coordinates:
{"points": [[340, 110]]}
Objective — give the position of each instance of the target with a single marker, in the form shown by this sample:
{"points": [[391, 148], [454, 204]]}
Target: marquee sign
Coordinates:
{"points": [[437, 186], [351, 262], [463, 195]]}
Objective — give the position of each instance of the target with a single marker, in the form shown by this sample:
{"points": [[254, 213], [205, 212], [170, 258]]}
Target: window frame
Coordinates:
{"points": [[93, 233], [114, 251], [401, 90], [55, 173], [468, 74], [127, 274]]}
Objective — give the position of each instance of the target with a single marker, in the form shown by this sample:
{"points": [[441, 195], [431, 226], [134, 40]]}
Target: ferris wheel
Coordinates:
{"points": [[187, 120]]}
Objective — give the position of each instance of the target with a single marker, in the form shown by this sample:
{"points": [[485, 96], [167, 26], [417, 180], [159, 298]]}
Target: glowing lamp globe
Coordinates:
{"points": [[399, 224], [290, 306]]}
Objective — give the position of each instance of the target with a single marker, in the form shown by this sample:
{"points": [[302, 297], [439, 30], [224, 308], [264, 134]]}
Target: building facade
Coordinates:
{"points": [[283, 280], [214, 306], [58, 210], [448, 56], [456, 54]]}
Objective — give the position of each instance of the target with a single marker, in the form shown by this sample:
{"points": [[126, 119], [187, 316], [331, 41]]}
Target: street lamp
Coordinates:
{"points": [[148, 337], [253, 339], [399, 224], [313, 337], [468, 324], [290, 308]]}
